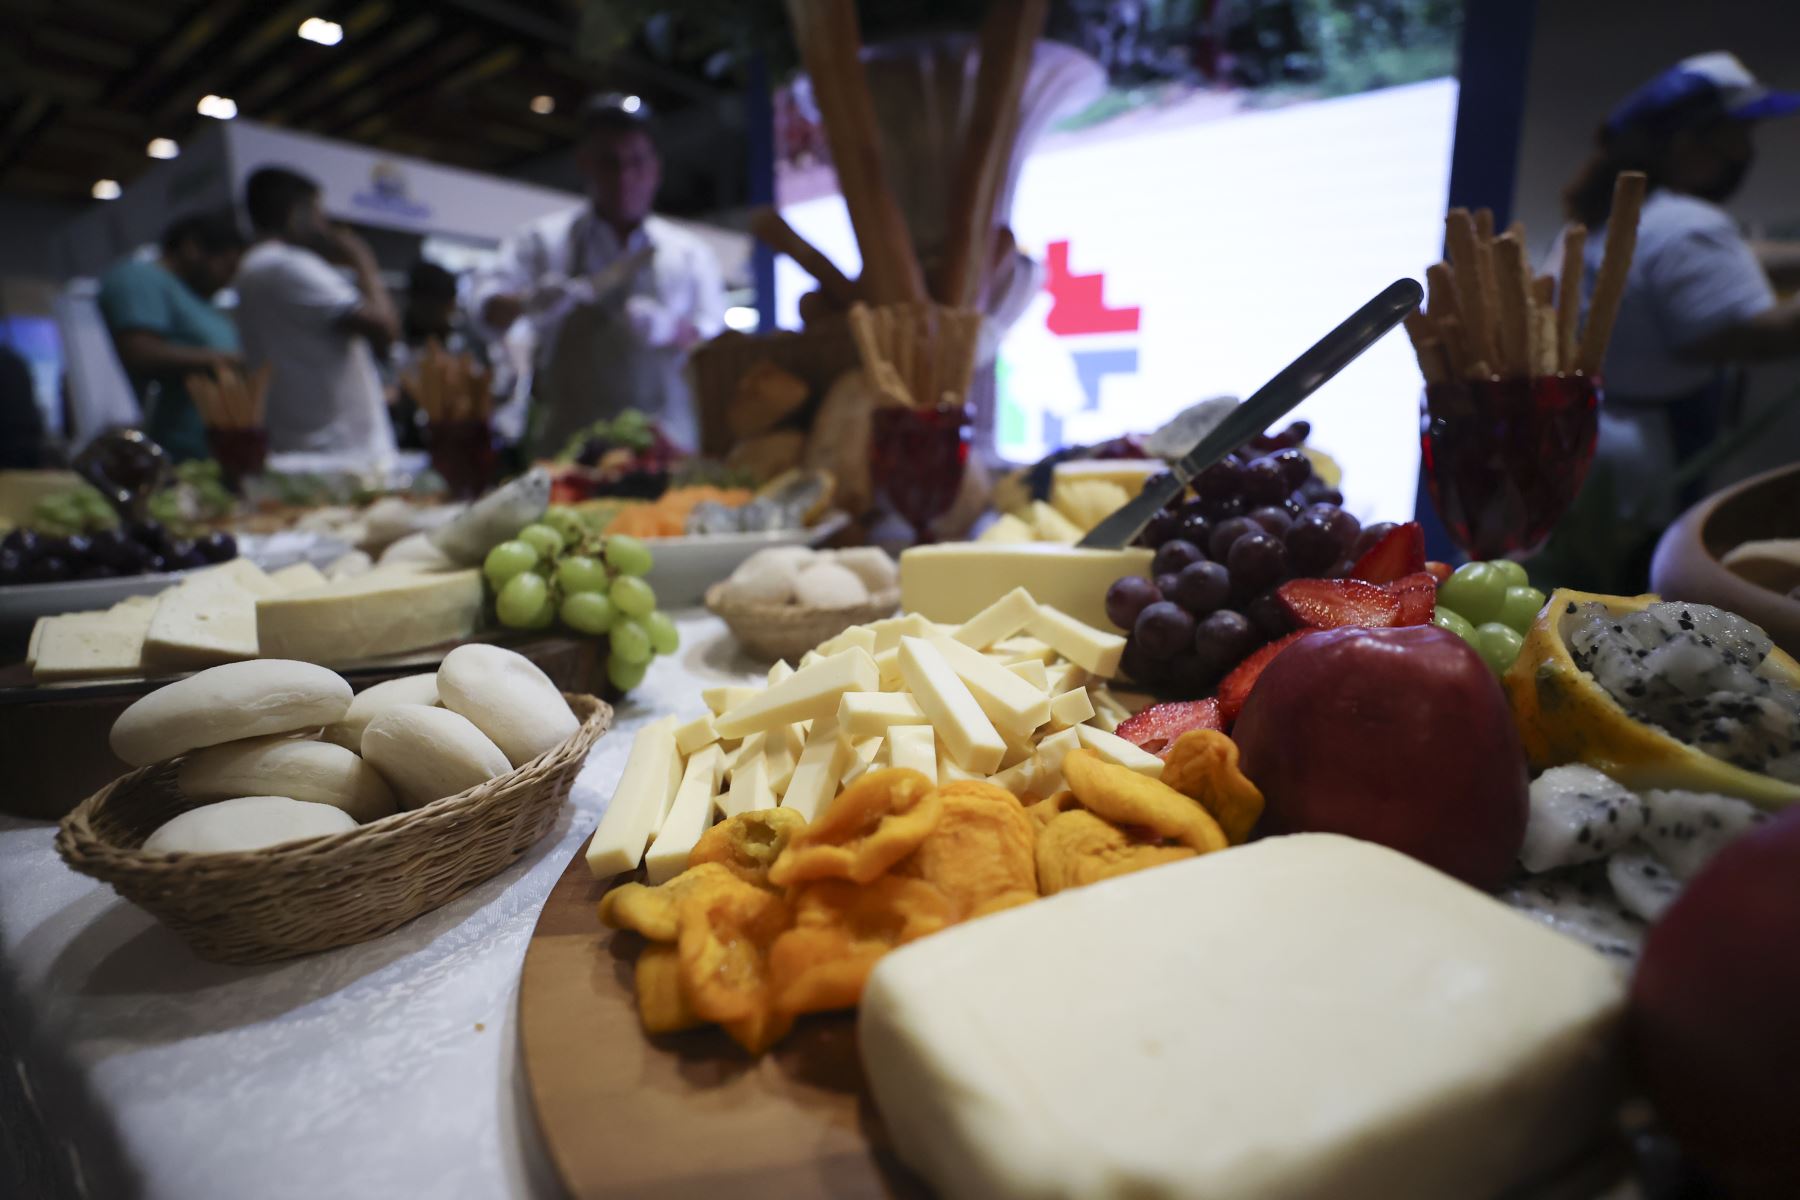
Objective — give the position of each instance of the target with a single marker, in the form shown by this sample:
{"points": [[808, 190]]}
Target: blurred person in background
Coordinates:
{"points": [[1700, 300], [317, 330], [21, 424], [164, 325], [616, 295], [430, 314]]}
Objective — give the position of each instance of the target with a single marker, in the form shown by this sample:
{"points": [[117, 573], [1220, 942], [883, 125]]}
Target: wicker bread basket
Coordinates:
{"points": [[787, 631], [264, 905]]}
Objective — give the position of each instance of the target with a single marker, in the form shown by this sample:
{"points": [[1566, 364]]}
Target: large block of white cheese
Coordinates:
{"points": [[383, 612], [955, 581], [1309, 1016], [209, 618]]}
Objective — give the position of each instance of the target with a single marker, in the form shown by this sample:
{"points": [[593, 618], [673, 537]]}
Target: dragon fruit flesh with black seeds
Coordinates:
{"points": [[1578, 902], [1698, 672], [1578, 815], [1685, 829]]}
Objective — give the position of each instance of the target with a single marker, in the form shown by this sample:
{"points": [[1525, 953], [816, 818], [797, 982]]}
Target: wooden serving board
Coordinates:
{"points": [[689, 1114]]}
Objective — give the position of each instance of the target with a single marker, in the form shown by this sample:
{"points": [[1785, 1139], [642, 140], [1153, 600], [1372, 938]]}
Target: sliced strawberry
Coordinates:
{"points": [[1439, 571], [1400, 552], [1417, 596], [1333, 603], [1234, 689], [1157, 728]]}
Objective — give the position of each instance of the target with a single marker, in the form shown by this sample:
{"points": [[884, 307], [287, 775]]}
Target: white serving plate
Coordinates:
{"points": [[686, 566]]}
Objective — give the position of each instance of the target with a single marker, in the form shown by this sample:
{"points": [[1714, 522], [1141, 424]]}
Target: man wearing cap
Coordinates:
{"points": [[615, 295], [1699, 298]]}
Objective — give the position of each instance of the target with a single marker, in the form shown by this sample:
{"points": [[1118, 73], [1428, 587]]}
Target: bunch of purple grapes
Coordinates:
{"points": [[1254, 520], [138, 548]]}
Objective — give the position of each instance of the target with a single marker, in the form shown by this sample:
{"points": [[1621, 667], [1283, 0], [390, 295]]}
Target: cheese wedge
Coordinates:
{"points": [[821, 766], [1013, 705], [1048, 525], [1007, 530], [913, 747], [808, 694], [203, 622], [298, 577], [91, 645], [865, 714], [1089, 648], [1377, 1032], [955, 581], [645, 791], [689, 817], [383, 612], [962, 727]]}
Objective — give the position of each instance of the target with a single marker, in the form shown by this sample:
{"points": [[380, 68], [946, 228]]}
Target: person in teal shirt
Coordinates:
{"points": [[165, 325]]}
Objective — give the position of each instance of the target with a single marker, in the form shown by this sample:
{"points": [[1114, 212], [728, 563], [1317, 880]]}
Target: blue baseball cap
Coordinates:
{"points": [[1715, 84]]}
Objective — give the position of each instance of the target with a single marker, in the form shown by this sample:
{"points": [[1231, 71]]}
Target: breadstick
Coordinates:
{"points": [[1544, 346], [768, 225], [1456, 348], [1513, 279], [197, 385], [1484, 224], [1543, 290], [1442, 301], [1568, 295], [1615, 266], [1471, 297]]}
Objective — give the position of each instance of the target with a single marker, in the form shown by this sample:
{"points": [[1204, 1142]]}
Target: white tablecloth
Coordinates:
{"points": [[386, 1069]]}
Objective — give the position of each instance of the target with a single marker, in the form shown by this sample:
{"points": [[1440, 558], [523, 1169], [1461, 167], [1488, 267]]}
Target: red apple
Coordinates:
{"points": [[1714, 1016], [1399, 736]]}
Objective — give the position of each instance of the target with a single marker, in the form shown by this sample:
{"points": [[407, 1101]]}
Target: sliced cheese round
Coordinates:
{"points": [[507, 697], [313, 772], [426, 754], [368, 703], [226, 704], [246, 823]]}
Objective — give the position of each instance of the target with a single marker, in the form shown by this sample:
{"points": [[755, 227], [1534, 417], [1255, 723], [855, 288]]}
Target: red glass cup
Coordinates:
{"points": [[1504, 458], [463, 453], [917, 456], [240, 453]]}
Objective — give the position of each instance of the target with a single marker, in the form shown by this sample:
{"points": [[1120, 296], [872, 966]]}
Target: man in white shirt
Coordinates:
{"points": [[616, 295], [317, 329]]}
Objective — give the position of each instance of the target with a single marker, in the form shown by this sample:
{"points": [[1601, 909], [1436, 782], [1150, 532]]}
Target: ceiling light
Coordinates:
{"points": [[221, 108], [162, 148], [317, 29], [543, 106], [631, 104], [106, 189]]}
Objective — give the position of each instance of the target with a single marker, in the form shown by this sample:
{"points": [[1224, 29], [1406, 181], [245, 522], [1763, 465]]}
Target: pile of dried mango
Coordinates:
{"points": [[774, 918]]}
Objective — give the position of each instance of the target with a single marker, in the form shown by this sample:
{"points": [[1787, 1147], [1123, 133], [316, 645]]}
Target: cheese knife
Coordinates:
{"points": [[1298, 380]]}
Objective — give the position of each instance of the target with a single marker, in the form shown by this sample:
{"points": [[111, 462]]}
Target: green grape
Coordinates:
{"points": [[1499, 645], [1476, 590], [544, 539], [567, 523], [628, 555], [523, 600], [588, 612], [630, 642], [1512, 572], [663, 638], [625, 675], [546, 616], [1521, 607], [632, 596], [507, 560], [580, 573], [1456, 623]]}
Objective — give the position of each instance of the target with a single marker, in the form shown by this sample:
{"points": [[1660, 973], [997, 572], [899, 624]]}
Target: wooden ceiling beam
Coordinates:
{"points": [[299, 104]]}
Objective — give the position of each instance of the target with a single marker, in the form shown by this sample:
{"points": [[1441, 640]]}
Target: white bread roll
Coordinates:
{"points": [[311, 772], [507, 698], [246, 823], [426, 754], [227, 704], [871, 564], [366, 704]]}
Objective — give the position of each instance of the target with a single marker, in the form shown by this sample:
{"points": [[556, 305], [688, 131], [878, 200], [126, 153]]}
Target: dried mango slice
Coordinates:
{"points": [[748, 844], [840, 932], [653, 911], [726, 929], [1203, 766], [1123, 797], [873, 824], [982, 852], [1079, 848], [1046, 811], [661, 1006]]}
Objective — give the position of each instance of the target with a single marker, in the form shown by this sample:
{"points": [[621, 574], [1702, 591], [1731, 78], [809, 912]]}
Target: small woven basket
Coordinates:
{"points": [[264, 905], [787, 631]]}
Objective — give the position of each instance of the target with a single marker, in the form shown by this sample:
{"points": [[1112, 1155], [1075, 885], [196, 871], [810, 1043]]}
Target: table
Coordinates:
{"points": [[384, 1069]]}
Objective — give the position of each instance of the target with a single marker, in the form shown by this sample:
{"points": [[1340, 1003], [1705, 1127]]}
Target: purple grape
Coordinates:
{"points": [[114, 549], [1296, 468], [1161, 479], [12, 567], [77, 548], [22, 542], [1223, 479], [1341, 570], [1226, 533], [1141, 667], [148, 533], [1270, 616], [156, 565], [1223, 639], [1329, 496], [1223, 508], [1258, 561], [1344, 527], [1264, 482], [1312, 545], [183, 556], [1173, 555], [47, 568], [1314, 489], [1295, 434], [95, 571], [1274, 520], [1128, 597], [1201, 588], [51, 546], [1165, 585], [1294, 505], [217, 546], [1365, 541], [1159, 529], [1188, 673], [1163, 629], [1194, 527]]}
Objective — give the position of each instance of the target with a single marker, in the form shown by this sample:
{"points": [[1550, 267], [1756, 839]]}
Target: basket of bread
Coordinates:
{"points": [[783, 601], [273, 813]]}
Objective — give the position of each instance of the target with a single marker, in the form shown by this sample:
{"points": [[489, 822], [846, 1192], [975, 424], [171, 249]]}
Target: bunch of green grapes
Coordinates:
{"points": [[1490, 605], [81, 509], [558, 569]]}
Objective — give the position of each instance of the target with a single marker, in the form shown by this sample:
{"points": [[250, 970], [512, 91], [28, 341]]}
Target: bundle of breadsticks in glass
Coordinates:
{"points": [[449, 387], [228, 398], [1489, 317]]}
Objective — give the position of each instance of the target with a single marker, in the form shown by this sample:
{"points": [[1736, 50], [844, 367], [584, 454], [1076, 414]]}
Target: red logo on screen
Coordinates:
{"points": [[1078, 303]]}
